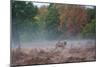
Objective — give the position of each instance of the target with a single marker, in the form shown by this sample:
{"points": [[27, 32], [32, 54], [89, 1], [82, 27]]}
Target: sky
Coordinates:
{"points": [[46, 4], [41, 4]]}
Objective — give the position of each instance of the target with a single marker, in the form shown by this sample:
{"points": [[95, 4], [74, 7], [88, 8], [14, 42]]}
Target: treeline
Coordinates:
{"points": [[56, 21]]}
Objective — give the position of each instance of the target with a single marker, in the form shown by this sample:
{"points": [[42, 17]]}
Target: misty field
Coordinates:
{"points": [[77, 52], [47, 33]]}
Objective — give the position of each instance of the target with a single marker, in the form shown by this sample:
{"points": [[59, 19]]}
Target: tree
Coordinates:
{"points": [[91, 12], [72, 18], [22, 14], [89, 29], [52, 21], [41, 16]]}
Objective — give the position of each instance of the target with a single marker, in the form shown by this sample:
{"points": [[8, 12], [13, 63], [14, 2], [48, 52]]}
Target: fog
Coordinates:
{"points": [[49, 44]]}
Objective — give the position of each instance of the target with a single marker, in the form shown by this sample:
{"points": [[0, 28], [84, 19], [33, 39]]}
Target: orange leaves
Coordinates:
{"points": [[73, 17]]}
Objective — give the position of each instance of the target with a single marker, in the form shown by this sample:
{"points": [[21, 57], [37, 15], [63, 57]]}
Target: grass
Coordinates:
{"points": [[52, 55]]}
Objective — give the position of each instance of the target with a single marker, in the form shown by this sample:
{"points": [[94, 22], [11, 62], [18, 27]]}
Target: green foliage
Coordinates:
{"points": [[90, 29], [92, 13], [23, 21], [52, 21], [22, 10]]}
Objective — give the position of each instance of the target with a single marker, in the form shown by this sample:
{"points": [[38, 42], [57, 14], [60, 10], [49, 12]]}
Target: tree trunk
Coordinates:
{"points": [[15, 36]]}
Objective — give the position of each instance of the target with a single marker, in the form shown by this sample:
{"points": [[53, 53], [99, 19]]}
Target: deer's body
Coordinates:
{"points": [[61, 45]]}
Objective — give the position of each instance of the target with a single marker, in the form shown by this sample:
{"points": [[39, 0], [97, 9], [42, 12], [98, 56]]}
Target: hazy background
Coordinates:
{"points": [[46, 23]]}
